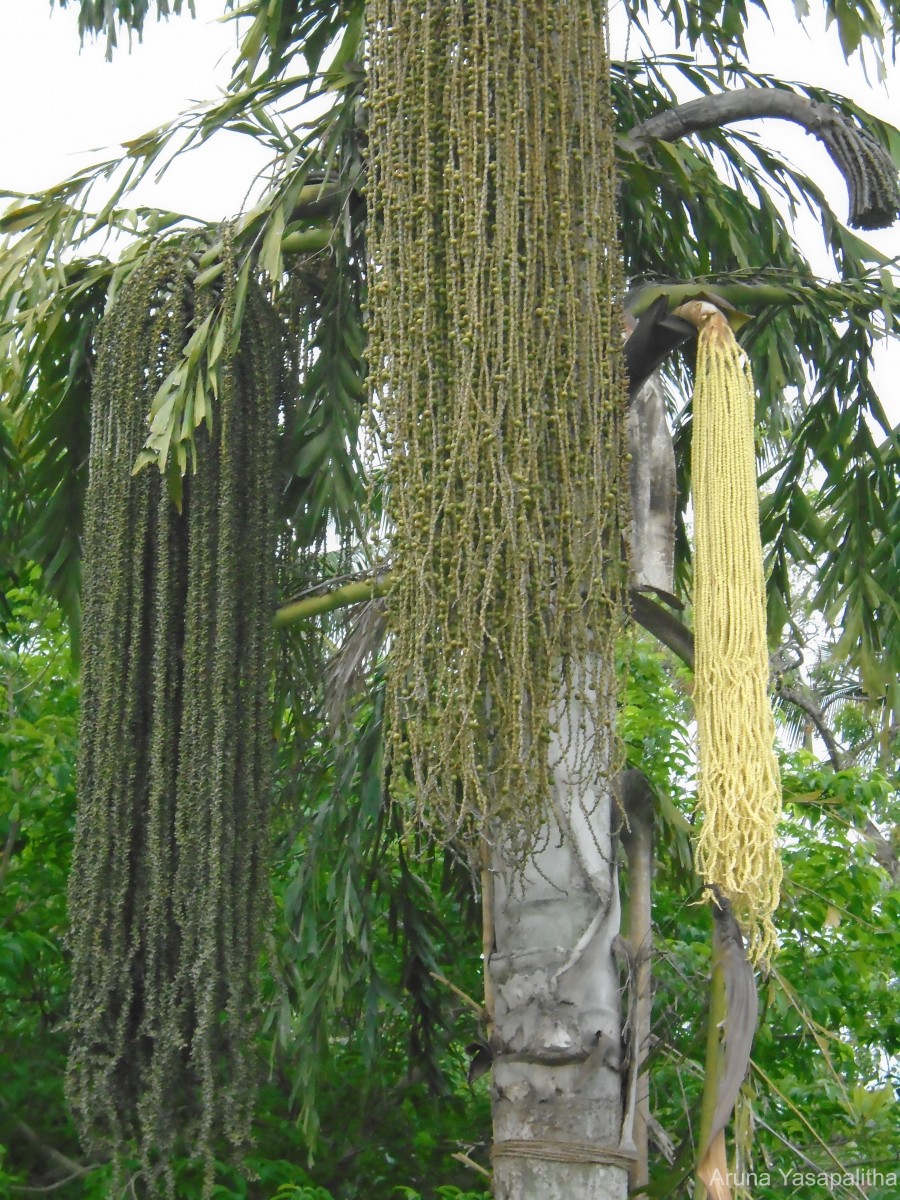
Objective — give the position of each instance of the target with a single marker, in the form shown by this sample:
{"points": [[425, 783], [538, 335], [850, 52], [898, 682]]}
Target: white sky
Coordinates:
{"points": [[63, 108]]}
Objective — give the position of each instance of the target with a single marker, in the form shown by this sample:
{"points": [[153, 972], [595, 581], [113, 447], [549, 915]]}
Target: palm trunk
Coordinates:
{"points": [[557, 1086]]}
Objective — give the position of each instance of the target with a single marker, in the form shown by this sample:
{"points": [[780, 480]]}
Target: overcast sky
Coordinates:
{"points": [[63, 108]]}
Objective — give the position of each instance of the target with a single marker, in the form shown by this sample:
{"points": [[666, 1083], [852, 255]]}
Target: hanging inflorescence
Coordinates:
{"points": [[170, 878], [739, 785], [494, 353]]}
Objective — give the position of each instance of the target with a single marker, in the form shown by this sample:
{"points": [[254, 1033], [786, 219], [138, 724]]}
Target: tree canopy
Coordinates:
{"points": [[372, 962]]}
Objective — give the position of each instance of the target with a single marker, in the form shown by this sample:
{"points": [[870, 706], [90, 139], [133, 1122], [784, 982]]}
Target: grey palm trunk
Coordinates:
{"points": [[557, 1085], [563, 1095]]}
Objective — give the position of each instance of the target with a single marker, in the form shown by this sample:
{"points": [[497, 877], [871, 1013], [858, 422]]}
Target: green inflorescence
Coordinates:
{"points": [[169, 882], [495, 359]]}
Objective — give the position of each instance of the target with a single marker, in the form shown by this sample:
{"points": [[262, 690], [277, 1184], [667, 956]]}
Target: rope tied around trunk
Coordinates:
{"points": [[587, 1153]]}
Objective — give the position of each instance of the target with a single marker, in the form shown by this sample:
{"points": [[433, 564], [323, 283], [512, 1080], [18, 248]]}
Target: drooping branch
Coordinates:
{"points": [[328, 599], [808, 705], [654, 617], [60, 1162], [738, 295], [868, 170], [664, 626]]}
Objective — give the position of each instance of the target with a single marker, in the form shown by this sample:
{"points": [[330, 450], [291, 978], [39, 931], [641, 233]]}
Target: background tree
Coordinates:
{"points": [[829, 543]]}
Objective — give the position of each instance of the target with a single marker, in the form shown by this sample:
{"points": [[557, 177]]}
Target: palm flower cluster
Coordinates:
{"points": [[495, 361], [739, 784], [170, 873]]}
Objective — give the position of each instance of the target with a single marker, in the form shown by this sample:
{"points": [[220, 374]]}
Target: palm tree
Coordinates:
{"points": [[701, 213]]}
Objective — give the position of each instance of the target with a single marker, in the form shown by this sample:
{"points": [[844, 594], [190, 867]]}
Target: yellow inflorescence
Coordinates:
{"points": [[494, 356], [740, 789]]}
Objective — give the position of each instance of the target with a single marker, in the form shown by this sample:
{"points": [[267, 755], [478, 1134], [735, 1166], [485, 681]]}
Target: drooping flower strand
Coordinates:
{"points": [[739, 783], [495, 360], [169, 881]]}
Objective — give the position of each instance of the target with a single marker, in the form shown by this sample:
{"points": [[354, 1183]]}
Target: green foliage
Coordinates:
{"points": [[653, 721], [361, 925], [363, 1045], [320, 443], [686, 214], [45, 465], [445, 1193], [388, 1074], [820, 1089], [38, 737], [97, 17], [816, 337], [368, 914], [719, 26]]}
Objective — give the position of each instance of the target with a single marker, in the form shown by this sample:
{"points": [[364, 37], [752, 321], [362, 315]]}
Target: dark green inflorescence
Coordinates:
{"points": [[169, 881]]}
